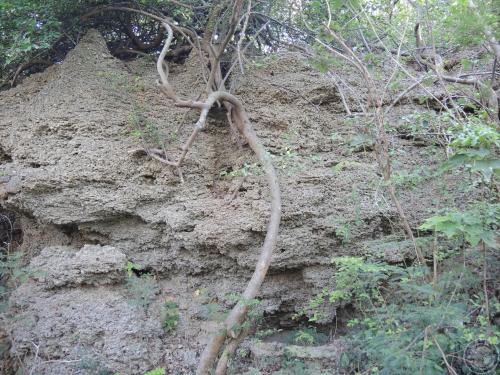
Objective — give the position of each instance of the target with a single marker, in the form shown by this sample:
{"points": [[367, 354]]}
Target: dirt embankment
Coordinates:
{"points": [[87, 206]]}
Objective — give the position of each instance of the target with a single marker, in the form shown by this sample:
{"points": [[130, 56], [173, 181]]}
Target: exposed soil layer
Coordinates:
{"points": [[88, 206]]}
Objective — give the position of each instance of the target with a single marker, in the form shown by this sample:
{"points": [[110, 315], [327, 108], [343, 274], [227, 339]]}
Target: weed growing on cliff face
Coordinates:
{"points": [[475, 146], [13, 273], [309, 336], [356, 282], [361, 142], [288, 161], [143, 289], [344, 233], [253, 169], [150, 131], [345, 165], [170, 316], [411, 179], [156, 371], [12, 266], [264, 62]]}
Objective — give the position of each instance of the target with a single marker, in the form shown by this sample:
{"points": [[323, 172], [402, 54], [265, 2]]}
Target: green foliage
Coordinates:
{"points": [[361, 142], [156, 371], [213, 311], [26, 27], [410, 180], [475, 144], [13, 273], [304, 337], [345, 165], [253, 169], [426, 125], [170, 316], [254, 313], [400, 312], [143, 289], [344, 232], [264, 61], [309, 336], [131, 266], [289, 161], [459, 25], [12, 267], [148, 130], [474, 225], [356, 282], [30, 28], [475, 133]]}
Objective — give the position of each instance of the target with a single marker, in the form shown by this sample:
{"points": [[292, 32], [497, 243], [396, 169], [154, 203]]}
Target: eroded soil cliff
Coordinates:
{"points": [[88, 208]]}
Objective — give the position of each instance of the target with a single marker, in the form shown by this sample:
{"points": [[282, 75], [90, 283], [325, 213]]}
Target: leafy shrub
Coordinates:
{"points": [[475, 145], [142, 289], [406, 324], [170, 316], [13, 272]]}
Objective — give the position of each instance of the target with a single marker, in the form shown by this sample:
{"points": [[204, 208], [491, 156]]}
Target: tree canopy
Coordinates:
{"points": [[43, 31]]}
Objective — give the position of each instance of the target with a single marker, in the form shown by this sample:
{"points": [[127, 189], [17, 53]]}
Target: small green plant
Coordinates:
{"points": [[361, 142], [344, 232], [213, 311], [356, 282], [475, 145], [142, 289], [131, 266], [148, 130], [170, 316], [253, 169], [345, 165], [336, 137], [254, 313], [473, 226], [406, 324], [308, 336], [426, 125], [264, 62], [410, 180], [12, 266], [304, 337], [289, 161], [156, 371], [13, 273]]}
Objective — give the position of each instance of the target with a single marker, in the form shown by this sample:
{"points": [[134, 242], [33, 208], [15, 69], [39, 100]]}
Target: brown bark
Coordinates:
{"points": [[28, 65], [140, 45], [240, 119]]}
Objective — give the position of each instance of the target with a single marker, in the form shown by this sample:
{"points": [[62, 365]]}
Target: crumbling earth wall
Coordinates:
{"points": [[88, 206]]}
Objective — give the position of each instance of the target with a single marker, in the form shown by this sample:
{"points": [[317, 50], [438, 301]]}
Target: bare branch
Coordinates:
{"points": [[242, 35]]}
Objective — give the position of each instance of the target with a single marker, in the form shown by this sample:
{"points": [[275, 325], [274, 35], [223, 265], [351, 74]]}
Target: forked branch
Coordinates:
{"points": [[239, 118]]}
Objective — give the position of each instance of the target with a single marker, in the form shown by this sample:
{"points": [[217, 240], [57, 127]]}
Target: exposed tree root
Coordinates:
{"points": [[231, 334]]}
